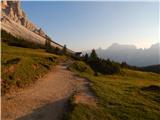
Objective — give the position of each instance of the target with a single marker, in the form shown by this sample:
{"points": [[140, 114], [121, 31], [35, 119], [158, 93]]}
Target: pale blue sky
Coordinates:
{"points": [[87, 25]]}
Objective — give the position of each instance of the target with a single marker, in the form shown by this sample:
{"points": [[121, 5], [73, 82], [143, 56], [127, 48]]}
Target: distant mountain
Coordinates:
{"points": [[132, 55]]}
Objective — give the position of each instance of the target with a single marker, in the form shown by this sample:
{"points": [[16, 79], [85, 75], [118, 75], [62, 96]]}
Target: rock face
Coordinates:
{"points": [[13, 11], [15, 21]]}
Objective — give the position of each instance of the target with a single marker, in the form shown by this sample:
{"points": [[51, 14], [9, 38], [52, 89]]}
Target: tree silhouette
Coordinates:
{"points": [[93, 55], [86, 57]]}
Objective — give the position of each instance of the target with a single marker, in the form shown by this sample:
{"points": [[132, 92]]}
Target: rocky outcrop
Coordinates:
{"points": [[13, 11], [15, 21]]}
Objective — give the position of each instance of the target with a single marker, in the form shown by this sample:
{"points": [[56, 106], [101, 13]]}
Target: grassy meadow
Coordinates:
{"points": [[130, 95], [21, 66]]}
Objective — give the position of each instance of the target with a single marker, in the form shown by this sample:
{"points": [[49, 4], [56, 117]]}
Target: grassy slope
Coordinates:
{"points": [[121, 97], [21, 66]]}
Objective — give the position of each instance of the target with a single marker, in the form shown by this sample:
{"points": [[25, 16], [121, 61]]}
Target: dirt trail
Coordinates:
{"points": [[48, 98]]}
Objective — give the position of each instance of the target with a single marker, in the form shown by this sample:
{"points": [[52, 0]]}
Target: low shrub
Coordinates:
{"points": [[80, 67], [101, 65]]}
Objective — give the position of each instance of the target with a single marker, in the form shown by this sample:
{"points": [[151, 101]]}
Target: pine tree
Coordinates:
{"points": [[93, 55]]}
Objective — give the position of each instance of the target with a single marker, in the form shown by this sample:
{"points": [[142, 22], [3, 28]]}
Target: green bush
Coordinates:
{"points": [[80, 67], [101, 65]]}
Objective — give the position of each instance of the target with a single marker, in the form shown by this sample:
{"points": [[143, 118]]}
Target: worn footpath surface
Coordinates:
{"points": [[48, 98]]}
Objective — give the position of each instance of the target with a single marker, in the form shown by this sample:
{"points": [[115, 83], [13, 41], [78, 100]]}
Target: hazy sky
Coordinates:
{"points": [[87, 25]]}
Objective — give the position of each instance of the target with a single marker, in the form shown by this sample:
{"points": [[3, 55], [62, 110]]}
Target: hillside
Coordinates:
{"points": [[151, 68], [13, 11], [22, 66], [130, 95], [126, 95], [15, 21]]}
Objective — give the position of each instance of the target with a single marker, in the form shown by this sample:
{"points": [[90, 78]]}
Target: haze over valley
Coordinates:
{"points": [[131, 54]]}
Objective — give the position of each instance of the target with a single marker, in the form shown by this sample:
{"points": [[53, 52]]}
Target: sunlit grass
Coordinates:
{"points": [[121, 97], [21, 66]]}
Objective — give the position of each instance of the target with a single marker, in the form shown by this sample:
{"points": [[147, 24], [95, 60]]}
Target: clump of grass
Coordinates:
{"points": [[22, 66], [80, 66], [85, 112]]}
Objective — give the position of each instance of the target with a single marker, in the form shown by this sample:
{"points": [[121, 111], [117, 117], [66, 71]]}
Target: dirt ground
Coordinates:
{"points": [[48, 98]]}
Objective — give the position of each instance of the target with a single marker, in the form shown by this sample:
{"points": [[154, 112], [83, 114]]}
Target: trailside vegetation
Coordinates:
{"points": [[101, 65], [22, 66], [132, 95], [19, 42]]}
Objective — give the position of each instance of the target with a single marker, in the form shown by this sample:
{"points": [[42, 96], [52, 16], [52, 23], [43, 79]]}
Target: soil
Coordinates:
{"points": [[48, 98]]}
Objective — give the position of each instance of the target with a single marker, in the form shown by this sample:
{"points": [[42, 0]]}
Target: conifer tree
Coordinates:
{"points": [[93, 55], [86, 57]]}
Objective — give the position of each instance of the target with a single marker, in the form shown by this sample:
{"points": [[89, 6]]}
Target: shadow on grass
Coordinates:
{"points": [[51, 111], [154, 88]]}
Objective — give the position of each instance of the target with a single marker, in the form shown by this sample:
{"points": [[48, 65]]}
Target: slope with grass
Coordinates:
{"points": [[130, 95], [151, 68], [22, 66]]}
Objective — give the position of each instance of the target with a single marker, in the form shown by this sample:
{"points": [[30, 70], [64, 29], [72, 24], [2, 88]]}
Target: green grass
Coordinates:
{"points": [[81, 67], [121, 97], [22, 66]]}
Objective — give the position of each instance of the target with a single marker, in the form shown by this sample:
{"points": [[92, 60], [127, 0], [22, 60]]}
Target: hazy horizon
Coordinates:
{"points": [[88, 25], [122, 45]]}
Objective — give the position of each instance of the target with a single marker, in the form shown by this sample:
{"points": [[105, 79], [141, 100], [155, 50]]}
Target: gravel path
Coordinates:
{"points": [[45, 100]]}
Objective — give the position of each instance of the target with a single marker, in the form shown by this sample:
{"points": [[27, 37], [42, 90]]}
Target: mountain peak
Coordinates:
{"points": [[13, 10], [132, 55], [119, 46]]}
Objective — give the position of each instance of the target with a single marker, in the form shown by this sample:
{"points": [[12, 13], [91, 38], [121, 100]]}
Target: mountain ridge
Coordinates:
{"points": [[131, 54], [15, 21], [13, 10]]}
